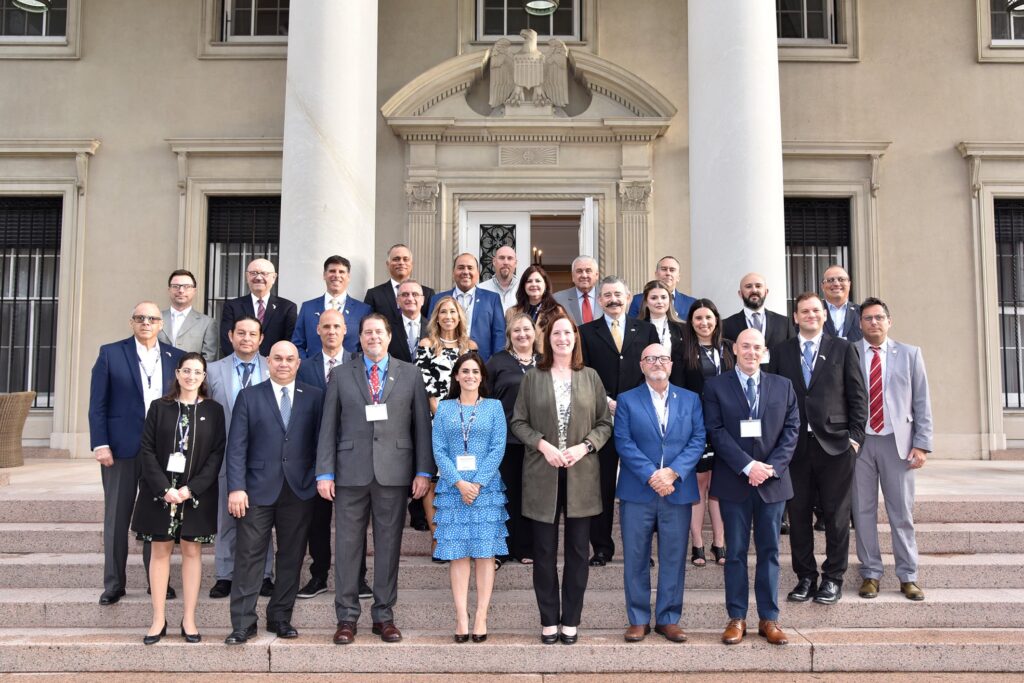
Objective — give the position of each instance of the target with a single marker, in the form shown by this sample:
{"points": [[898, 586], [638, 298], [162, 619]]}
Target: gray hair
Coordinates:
{"points": [[585, 258], [612, 280]]}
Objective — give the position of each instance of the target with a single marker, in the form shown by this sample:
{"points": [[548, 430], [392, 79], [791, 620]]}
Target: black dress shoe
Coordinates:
{"points": [[283, 629], [784, 528], [805, 588], [819, 524], [420, 525], [190, 637], [221, 589], [365, 591], [267, 588], [549, 640], [315, 587], [599, 560], [170, 593], [111, 597], [569, 640], [152, 640], [829, 593], [479, 638], [239, 636]]}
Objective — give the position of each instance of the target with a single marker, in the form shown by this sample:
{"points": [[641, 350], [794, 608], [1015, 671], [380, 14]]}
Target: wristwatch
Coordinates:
{"points": [[590, 446]]}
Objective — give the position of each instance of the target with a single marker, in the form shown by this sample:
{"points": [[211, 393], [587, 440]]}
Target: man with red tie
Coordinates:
{"points": [[276, 315], [580, 301]]}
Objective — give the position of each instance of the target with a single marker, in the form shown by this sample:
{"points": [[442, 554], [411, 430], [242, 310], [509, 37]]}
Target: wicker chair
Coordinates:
{"points": [[13, 413]]}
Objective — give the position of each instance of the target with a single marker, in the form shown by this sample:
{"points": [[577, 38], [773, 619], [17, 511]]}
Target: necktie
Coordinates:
{"points": [[588, 314], [617, 335], [286, 407], [330, 366], [751, 395], [411, 334], [875, 399], [334, 304], [375, 383], [756, 319], [808, 361], [261, 310], [246, 374]]}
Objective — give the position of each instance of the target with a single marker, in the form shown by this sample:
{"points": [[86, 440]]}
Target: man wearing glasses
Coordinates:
{"points": [[127, 377], [188, 330], [843, 319], [276, 315]]}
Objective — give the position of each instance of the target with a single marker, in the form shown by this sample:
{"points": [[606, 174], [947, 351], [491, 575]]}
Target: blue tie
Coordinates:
{"points": [[246, 373], [808, 363], [751, 395], [286, 406]]}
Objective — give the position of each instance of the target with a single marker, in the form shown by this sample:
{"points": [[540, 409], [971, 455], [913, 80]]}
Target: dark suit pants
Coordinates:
{"points": [[575, 573], [290, 516], [520, 529], [320, 540], [120, 488], [831, 477], [601, 529], [353, 506], [766, 519]]}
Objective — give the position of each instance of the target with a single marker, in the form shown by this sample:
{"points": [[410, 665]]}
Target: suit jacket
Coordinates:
{"points": [[681, 302], [305, 336], [566, 298], [263, 454], [381, 299], [311, 371], [116, 411], [693, 378], [220, 378], [278, 321], [905, 400], [399, 347], [725, 405], [619, 371], [391, 451], [851, 325], [779, 327], [198, 333], [488, 326], [643, 450], [835, 403]]}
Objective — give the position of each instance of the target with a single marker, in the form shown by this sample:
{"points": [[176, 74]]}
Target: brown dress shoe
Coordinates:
{"points": [[387, 631], [734, 632], [671, 632], [868, 589], [911, 590], [636, 633], [771, 632], [345, 634]]}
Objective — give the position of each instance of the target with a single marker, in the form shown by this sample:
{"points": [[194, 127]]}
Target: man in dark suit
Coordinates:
{"points": [[374, 443], [483, 309], [826, 375], [774, 327], [127, 377], [382, 298], [277, 315], [667, 273], [337, 271], [411, 325], [612, 345], [274, 430], [753, 422], [842, 317]]}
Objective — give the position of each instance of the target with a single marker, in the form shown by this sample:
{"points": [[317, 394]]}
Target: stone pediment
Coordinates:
{"points": [[604, 102]]}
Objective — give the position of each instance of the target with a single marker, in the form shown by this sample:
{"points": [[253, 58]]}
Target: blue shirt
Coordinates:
{"points": [[838, 315], [238, 366], [757, 384]]}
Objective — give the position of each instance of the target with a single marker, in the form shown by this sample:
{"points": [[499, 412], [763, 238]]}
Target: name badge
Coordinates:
{"points": [[176, 463], [376, 412], [465, 462], [767, 357], [750, 429]]}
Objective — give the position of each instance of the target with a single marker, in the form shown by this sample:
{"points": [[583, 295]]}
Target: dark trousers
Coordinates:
{"points": [[520, 529], [766, 520], [601, 528], [290, 516], [416, 513], [576, 572], [120, 488], [830, 477], [320, 540]]}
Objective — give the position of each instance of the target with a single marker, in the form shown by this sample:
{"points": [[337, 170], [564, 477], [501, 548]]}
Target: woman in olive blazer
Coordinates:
{"points": [[562, 418]]}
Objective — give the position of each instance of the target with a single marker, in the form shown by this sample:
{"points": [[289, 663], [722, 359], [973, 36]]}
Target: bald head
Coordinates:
{"points": [[656, 364], [749, 349], [283, 362], [146, 323], [331, 329], [260, 275], [753, 291], [504, 263]]}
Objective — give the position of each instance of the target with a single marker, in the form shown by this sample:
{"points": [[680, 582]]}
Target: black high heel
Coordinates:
{"points": [[719, 553], [479, 638], [461, 637], [152, 640], [190, 637]]}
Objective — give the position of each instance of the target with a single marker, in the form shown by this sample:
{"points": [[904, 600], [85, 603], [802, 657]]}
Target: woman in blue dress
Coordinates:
{"points": [[469, 443]]}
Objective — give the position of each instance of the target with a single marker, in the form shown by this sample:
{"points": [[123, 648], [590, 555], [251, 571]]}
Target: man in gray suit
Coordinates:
{"points": [[580, 301], [898, 440], [374, 442], [184, 327], [244, 367]]}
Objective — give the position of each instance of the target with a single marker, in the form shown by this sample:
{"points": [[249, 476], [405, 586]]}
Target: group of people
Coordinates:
{"points": [[492, 412]]}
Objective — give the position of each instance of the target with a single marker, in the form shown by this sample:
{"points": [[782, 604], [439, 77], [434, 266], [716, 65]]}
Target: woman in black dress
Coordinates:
{"points": [[705, 354], [506, 369], [182, 449], [656, 308], [536, 299]]}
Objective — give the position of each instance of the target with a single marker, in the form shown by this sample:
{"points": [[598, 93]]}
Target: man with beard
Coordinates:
{"points": [[667, 273], [774, 327], [505, 281]]}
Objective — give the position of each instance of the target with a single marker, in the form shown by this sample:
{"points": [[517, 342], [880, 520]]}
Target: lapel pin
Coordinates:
{"points": [[822, 357], [317, 314], [674, 395], [297, 390], [202, 419]]}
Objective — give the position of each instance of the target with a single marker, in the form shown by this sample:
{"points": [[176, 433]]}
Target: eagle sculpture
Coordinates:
{"points": [[540, 77]]}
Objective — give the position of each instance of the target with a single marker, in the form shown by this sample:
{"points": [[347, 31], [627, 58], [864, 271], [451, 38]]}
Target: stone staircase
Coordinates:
{"points": [[972, 569]]}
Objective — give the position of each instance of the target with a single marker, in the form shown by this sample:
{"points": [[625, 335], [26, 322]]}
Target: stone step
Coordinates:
{"points": [[932, 537], [427, 651], [84, 570], [517, 609]]}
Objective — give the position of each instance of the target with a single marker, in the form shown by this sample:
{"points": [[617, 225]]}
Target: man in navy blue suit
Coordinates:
{"points": [[753, 421], [127, 376], [276, 314], [659, 434], [337, 271], [667, 273], [483, 309], [271, 451]]}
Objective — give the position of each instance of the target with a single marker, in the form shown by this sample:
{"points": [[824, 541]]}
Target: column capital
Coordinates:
{"points": [[635, 194], [422, 195]]}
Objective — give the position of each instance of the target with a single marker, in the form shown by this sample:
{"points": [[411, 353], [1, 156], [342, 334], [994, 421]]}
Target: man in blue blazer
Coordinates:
{"points": [[667, 273], [483, 309], [337, 271], [271, 451], [659, 435], [127, 376], [753, 421]]}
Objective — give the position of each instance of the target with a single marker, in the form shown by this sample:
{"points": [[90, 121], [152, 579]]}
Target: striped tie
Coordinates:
{"points": [[875, 400]]}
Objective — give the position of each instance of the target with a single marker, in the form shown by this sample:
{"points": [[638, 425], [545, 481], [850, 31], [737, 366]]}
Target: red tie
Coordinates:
{"points": [[588, 315], [875, 393], [261, 310], [374, 383]]}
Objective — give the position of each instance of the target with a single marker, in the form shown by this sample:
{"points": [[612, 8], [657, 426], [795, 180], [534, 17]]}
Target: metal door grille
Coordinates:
{"points": [[1009, 225], [817, 236]]}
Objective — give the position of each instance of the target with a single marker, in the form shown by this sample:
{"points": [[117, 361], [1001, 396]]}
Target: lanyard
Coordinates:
{"points": [[383, 374], [240, 371], [713, 356], [149, 373], [184, 428], [467, 428]]}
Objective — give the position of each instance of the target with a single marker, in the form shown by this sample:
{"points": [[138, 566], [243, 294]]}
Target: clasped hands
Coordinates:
{"points": [[469, 490], [177, 496], [662, 481], [760, 473], [567, 458]]}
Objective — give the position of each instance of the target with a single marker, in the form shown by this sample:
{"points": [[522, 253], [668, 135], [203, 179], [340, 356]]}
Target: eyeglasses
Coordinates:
{"points": [[260, 273], [657, 360], [151, 319], [874, 318], [183, 288], [836, 280], [189, 372]]}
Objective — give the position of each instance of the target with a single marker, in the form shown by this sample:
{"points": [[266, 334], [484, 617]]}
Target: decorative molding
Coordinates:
{"points": [[528, 156], [990, 50], [848, 150], [556, 130], [800, 50], [422, 196], [80, 149], [211, 47], [635, 194], [184, 148], [976, 152], [68, 46]]}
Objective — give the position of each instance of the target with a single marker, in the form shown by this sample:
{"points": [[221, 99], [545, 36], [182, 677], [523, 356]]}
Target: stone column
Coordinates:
{"points": [[421, 202], [635, 202], [736, 192], [329, 164]]}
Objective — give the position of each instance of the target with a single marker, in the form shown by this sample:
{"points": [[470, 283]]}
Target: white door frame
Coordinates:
{"points": [[585, 208]]}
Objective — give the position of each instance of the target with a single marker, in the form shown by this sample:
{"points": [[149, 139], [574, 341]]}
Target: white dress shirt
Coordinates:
{"points": [[460, 296], [151, 372], [341, 300], [177, 318], [277, 392], [867, 354]]}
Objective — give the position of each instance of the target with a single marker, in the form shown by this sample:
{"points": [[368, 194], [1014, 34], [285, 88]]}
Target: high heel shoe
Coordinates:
{"points": [[190, 637], [479, 638], [461, 637], [151, 640]]}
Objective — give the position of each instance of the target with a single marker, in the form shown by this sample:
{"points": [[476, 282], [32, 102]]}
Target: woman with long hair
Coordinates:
{"points": [[656, 308]]}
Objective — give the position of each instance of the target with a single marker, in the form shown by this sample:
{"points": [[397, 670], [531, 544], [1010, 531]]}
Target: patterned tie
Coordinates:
{"points": [[588, 314], [286, 407], [246, 373], [411, 338], [617, 335], [261, 310], [875, 399], [330, 366], [751, 395], [375, 383], [808, 362], [756, 319]]}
